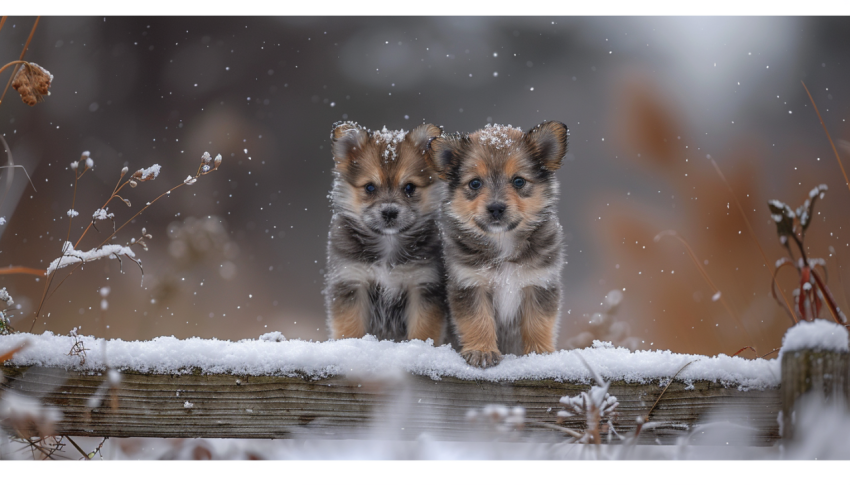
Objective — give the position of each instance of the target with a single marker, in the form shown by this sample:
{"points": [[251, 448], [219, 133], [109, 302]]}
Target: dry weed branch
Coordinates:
{"points": [[750, 231], [665, 389], [23, 53], [791, 225], [817, 111], [206, 167], [717, 295]]}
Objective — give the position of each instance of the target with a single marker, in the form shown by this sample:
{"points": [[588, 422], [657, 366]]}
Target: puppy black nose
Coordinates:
{"points": [[390, 214], [496, 210]]}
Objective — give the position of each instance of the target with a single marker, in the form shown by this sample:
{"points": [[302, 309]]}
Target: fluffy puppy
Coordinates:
{"points": [[385, 274], [502, 241]]}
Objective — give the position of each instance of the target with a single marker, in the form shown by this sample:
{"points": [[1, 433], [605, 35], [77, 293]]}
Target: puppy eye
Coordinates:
{"points": [[370, 188], [519, 182], [409, 189], [475, 184]]}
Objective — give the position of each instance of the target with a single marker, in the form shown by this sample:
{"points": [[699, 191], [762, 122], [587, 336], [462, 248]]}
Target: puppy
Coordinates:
{"points": [[385, 273], [502, 241]]}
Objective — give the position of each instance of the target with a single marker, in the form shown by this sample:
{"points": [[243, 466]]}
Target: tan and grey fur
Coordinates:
{"points": [[385, 274], [503, 244]]}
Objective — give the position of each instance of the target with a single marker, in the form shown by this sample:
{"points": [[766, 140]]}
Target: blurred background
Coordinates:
{"points": [[242, 252]]}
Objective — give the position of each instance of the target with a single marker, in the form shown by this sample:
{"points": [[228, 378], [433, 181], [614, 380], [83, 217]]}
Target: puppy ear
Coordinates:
{"points": [[548, 144], [446, 152], [347, 139], [423, 134]]}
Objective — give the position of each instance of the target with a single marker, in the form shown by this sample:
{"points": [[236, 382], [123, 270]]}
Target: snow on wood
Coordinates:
{"points": [[817, 335], [815, 365], [408, 407], [371, 358]]}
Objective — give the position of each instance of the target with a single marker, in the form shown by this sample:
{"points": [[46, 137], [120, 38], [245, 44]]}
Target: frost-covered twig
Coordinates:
{"points": [[813, 292], [207, 166], [595, 405], [71, 255]]}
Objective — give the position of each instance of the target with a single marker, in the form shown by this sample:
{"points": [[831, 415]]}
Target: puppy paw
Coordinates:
{"points": [[539, 349], [480, 358]]}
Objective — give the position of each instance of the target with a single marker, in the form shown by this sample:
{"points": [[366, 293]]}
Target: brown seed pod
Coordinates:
{"points": [[32, 82]]}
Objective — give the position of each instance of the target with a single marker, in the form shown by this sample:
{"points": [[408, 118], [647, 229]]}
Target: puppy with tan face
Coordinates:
{"points": [[385, 274], [502, 241]]}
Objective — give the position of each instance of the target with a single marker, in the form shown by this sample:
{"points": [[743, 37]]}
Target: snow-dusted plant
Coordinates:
{"points": [[812, 293], [498, 417], [604, 326], [72, 256], [79, 348], [597, 406], [5, 324]]}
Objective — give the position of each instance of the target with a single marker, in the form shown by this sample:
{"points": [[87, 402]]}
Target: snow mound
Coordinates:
{"points": [[369, 357], [818, 335]]}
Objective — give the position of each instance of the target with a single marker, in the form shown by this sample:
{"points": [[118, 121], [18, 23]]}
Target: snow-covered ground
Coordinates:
{"points": [[271, 354]]}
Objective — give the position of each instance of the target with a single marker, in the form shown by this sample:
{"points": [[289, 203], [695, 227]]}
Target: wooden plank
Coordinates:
{"points": [[229, 406], [825, 373]]}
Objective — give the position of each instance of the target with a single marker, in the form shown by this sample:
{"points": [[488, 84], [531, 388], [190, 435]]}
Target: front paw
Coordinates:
{"points": [[538, 348], [482, 358]]}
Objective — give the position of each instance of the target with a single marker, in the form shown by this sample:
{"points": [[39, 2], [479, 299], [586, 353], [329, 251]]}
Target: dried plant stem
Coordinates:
{"points": [[34, 445], [2, 22], [817, 111], [8, 355], [21, 270], [830, 300], [13, 63], [574, 434], [168, 192], [23, 52], [10, 163], [63, 280], [840, 280], [50, 277], [78, 448], [752, 234], [117, 189], [73, 203], [665, 389], [45, 296], [765, 355], [705, 276], [745, 348]]}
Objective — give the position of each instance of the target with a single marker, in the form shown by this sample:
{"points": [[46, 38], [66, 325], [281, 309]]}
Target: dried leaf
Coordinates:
{"points": [[783, 216]]}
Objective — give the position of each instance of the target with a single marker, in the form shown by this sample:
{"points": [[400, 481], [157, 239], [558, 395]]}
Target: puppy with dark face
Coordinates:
{"points": [[385, 274], [502, 241]]}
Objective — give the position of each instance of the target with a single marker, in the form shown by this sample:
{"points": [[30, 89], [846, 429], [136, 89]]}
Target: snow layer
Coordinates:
{"points": [[149, 173], [368, 357], [498, 136], [820, 335], [72, 256]]}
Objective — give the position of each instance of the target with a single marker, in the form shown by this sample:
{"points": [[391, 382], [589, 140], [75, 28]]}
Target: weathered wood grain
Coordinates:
{"points": [[229, 406], [812, 371]]}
